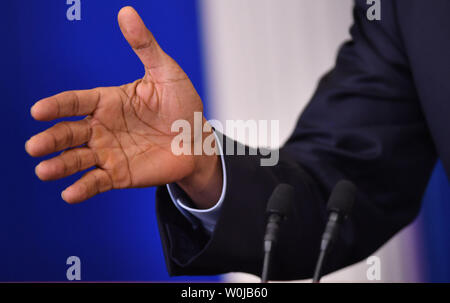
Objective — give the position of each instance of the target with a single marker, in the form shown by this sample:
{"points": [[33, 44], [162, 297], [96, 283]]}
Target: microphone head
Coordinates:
{"points": [[342, 198], [280, 200]]}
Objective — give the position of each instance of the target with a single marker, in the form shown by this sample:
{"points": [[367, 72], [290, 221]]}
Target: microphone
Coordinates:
{"points": [[277, 209], [339, 206]]}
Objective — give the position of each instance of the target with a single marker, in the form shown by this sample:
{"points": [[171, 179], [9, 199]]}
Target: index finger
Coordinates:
{"points": [[66, 104]]}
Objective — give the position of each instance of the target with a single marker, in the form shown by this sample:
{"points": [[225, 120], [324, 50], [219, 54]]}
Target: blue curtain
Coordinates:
{"points": [[42, 53]]}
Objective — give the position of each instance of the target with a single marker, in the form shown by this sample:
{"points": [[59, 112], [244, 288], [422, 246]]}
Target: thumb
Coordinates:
{"points": [[141, 39]]}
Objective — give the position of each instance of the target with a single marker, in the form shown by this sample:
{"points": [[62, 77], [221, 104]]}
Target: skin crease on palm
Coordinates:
{"points": [[126, 134]]}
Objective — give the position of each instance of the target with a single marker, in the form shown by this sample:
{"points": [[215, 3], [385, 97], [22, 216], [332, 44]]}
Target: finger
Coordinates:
{"points": [[66, 164], [92, 183], [140, 38], [66, 104], [59, 137]]}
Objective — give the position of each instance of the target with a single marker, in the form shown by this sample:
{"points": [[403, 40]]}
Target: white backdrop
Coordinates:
{"points": [[263, 61]]}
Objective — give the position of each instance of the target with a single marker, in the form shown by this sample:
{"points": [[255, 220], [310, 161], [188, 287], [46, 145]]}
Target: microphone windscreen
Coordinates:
{"points": [[342, 197], [280, 200]]}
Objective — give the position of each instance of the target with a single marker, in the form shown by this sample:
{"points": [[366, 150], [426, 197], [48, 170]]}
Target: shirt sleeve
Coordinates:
{"points": [[204, 217]]}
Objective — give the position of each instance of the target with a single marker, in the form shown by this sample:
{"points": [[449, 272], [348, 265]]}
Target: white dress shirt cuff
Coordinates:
{"points": [[207, 217]]}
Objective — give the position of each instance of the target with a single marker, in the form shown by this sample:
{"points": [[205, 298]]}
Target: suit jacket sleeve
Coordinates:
{"points": [[364, 124]]}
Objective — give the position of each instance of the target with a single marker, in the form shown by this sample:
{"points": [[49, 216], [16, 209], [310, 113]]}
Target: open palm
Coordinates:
{"points": [[126, 134]]}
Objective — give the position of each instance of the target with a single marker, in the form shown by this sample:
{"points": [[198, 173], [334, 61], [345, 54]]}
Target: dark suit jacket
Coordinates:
{"points": [[379, 119]]}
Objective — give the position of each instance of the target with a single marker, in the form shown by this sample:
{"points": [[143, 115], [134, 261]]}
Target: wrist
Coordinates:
{"points": [[204, 184]]}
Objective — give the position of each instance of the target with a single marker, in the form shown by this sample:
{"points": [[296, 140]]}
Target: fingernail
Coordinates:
{"points": [[36, 169], [63, 193], [28, 147], [32, 109]]}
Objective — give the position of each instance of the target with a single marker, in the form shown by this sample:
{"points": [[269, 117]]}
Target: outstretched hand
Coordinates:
{"points": [[126, 134]]}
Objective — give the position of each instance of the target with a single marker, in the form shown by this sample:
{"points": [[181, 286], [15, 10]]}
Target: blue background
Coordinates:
{"points": [[434, 226], [42, 53], [114, 234]]}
